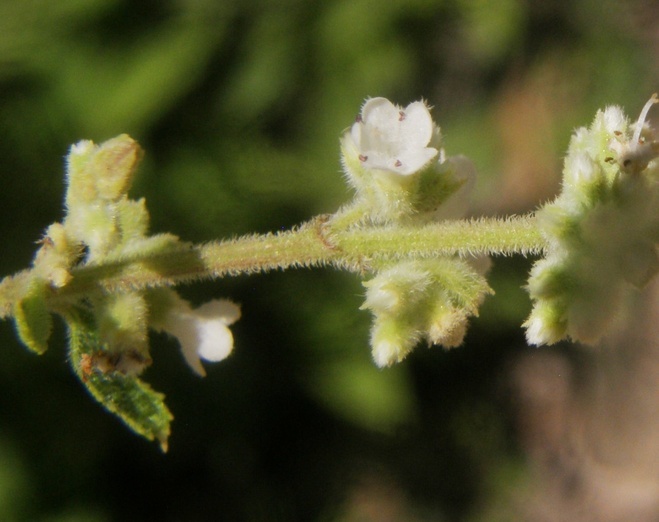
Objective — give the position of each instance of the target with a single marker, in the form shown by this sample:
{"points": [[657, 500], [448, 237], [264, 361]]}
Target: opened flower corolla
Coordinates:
{"points": [[203, 333], [390, 138]]}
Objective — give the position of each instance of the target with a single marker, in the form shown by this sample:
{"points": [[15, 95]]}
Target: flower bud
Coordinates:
{"points": [[102, 171], [428, 299], [56, 256]]}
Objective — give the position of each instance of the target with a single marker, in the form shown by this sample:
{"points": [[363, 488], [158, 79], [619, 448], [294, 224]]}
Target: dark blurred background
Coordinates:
{"points": [[239, 106]]}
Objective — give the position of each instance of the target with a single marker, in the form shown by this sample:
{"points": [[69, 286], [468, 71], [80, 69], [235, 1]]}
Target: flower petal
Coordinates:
{"points": [[223, 309], [215, 340], [416, 126], [203, 333]]}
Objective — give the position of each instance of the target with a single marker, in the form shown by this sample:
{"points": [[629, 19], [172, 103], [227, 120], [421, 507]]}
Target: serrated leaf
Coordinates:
{"points": [[140, 407], [32, 318]]}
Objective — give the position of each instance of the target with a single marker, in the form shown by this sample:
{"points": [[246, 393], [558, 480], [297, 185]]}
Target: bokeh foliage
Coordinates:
{"points": [[239, 106]]}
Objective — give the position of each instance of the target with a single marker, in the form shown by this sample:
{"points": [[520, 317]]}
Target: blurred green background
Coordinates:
{"points": [[239, 106]]}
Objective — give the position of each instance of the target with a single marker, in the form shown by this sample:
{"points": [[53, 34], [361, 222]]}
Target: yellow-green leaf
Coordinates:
{"points": [[32, 318]]}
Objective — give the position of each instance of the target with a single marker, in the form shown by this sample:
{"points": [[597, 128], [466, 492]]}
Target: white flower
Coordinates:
{"points": [[203, 332], [393, 139]]}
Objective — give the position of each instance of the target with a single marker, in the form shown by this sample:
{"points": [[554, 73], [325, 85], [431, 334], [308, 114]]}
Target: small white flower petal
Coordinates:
{"points": [[377, 160], [223, 309], [203, 333], [379, 113], [184, 328], [410, 161], [416, 125], [215, 340]]}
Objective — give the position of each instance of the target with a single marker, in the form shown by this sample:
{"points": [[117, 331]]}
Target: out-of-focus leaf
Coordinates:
{"points": [[267, 72], [111, 91], [492, 28], [29, 28], [15, 483], [354, 389]]}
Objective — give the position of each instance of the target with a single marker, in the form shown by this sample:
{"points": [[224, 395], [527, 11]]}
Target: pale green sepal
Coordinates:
{"points": [[140, 407], [32, 318]]}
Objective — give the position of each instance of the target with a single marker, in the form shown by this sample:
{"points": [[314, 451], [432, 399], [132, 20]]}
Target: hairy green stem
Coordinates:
{"points": [[316, 243]]}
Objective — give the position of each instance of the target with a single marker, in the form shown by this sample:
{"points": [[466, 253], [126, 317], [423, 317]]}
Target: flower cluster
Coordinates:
{"points": [[430, 299], [103, 224], [393, 158], [602, 230], [109, 345]]}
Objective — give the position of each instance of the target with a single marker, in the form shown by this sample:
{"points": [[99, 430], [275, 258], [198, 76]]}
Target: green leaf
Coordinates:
{"points": [[32, 318], [132, 400]]}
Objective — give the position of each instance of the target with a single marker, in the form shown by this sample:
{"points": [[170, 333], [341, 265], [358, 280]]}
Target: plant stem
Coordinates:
{"points": [[313, 244], [316, 243]]}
